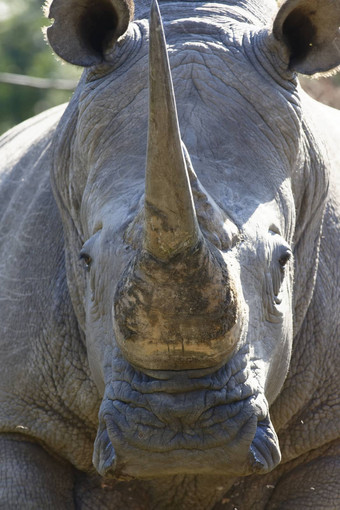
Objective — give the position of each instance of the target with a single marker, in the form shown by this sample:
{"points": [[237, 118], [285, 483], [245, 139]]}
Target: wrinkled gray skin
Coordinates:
{"points": [[202, 438]]}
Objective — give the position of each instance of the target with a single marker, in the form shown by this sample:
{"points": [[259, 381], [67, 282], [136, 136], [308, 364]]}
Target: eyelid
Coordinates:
{"points": [[88, 245]]}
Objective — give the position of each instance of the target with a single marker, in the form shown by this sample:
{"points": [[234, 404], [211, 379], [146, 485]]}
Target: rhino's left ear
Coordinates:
{"points": [[310, 31], [84, 29]]}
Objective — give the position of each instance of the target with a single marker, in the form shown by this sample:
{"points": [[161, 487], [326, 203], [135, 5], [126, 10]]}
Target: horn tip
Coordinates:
{"points": [[155, 14]]}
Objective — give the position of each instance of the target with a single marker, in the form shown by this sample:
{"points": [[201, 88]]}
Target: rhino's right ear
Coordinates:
{"points": [[84, 29], [309, 29]]}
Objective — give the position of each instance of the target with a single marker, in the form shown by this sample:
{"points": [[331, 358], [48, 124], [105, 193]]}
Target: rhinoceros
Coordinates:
{"points": [[169, 264]]}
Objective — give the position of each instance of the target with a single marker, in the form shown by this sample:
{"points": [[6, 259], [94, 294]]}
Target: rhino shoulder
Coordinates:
{"points": [[40, 337]]}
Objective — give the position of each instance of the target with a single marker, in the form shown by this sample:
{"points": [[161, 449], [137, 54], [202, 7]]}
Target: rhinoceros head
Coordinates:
{"points": [[187, 233]]}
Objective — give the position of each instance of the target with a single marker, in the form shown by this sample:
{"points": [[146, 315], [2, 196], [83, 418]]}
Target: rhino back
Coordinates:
{"points": [[40, 340]]}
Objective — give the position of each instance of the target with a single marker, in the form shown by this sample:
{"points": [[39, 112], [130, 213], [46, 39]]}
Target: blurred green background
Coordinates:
{"points": [[24, 51]]}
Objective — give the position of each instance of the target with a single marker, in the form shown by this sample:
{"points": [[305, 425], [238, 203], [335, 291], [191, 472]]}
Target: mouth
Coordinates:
{"points": [[183, 424]]}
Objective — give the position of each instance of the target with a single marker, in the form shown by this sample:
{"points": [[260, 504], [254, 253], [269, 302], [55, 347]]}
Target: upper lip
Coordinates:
{"points": [[212, 408], [213, 428], [216, 416]]}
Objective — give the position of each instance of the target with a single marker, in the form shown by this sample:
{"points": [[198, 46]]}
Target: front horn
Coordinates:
{"points": [[175, 307], [170, 217]]}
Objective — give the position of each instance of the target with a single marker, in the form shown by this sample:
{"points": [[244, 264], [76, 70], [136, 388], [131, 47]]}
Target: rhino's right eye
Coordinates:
{"points": [[87, 259]]}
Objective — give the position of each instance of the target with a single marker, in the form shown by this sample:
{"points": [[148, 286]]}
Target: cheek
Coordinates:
{"points": [[272, 344], [278, 368], [281, 346], [98, 330]]}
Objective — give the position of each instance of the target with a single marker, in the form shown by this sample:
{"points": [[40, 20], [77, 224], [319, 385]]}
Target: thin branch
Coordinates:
{"points": [[38, 83]]}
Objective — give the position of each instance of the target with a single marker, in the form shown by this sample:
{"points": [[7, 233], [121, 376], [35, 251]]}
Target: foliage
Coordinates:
{"points": [[23, 50]]}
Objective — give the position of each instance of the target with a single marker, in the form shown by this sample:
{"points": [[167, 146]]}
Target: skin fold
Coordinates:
{"points": [[169, 265]]}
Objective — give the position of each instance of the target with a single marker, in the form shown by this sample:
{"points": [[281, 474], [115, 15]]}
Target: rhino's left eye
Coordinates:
{"points": [[285, 258], [87, 259]]}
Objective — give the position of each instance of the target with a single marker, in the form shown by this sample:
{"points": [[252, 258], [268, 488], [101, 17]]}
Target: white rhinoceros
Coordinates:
{"points": [[170, 296]]}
